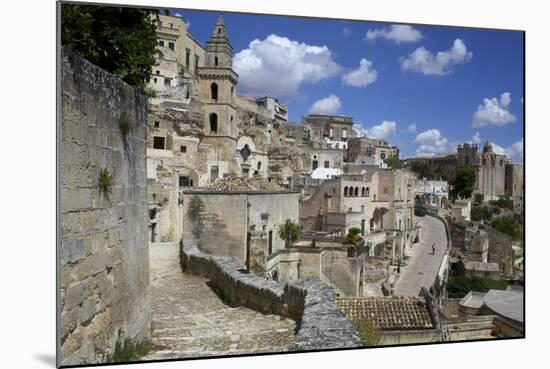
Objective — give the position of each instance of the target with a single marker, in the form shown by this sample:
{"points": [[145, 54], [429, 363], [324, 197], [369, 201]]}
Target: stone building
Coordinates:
{"points": [[379, 203], [332, 127], [239, 217], [514, 185], [490, 167], [278, 110], [363, 149], [200, 130], [329, 259]]}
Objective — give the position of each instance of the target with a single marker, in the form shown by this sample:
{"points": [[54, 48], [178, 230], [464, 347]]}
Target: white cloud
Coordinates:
{"points": [[278, 66], [430, 142], [476, 139], [411, 128], [514, 151], [439, 64], [347, 31], [494, 112], [398, 33], [328, 105], [383, 130], [361, 76]]}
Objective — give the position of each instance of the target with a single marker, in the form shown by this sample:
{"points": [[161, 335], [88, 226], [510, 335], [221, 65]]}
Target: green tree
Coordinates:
{"points": [[422, 169], [478, 199], [354, 235], [463, 181], [393, 162], [290, 232], [440, 173], [507, 225], [503, 202], [122, 41], [459, 286]]}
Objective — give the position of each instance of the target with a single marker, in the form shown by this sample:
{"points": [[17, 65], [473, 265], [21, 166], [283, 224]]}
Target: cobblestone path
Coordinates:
{"points": [[422, 266], [189, 320]]}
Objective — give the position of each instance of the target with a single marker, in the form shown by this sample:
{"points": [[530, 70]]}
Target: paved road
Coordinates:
{"points": [[422, 266], [189, 319]]}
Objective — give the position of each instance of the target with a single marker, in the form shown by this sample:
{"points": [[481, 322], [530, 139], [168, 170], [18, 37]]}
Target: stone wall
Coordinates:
{"points": [[321, 323], [103, 253]]}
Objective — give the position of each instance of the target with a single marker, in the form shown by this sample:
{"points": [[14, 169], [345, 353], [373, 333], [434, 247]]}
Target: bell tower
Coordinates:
{"points": [[218, 49], [218, 84]]}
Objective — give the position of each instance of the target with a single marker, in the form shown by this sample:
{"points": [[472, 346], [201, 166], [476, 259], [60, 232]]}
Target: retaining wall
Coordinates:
{"points": [[321, 324]]}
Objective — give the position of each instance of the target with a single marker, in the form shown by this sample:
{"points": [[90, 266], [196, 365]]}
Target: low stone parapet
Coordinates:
{"points": [[321, 324]]}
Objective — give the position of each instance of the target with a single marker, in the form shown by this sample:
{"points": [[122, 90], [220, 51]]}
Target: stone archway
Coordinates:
{"points": [[378, 218]]}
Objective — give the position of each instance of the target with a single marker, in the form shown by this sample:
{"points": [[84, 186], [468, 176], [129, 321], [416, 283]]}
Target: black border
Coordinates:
{"points": [[58, 5]]}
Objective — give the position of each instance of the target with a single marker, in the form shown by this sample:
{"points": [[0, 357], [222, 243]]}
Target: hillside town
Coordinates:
{"points": [[244, 218]]}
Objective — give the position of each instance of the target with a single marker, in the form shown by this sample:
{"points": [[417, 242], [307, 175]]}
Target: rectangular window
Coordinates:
{"points": [[167, 81], [158, 143], [327, 164], [187, 57], [196, 63], [184, 181], [155, 80], [158, 71], [171, 25], [171, 45], [183, 148], [161, 42], [157, 124], [270, 243]]}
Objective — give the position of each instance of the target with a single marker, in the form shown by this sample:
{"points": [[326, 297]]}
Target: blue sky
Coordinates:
{"points": [[453, 84]]}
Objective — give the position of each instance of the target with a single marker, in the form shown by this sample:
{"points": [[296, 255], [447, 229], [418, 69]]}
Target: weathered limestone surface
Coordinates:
{"points": [[321, 323], [104, 258], [190, 320]]}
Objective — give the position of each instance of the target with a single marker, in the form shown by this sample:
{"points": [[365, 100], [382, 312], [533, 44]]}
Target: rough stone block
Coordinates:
{"points": [[72, 249]]}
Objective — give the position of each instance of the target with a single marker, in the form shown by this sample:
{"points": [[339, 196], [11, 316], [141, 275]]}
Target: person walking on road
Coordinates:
{"points": [[433, 248]]}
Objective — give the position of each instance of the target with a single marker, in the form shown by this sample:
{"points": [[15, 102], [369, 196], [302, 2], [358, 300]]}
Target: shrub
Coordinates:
{"points": [[368, 332], [507, 225], [105, 181], [127, 350], [459, 286], [124, 123]]}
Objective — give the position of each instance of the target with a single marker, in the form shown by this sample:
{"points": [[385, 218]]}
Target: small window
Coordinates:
{"points": [[185, 181], [214, 91], [161, 42], [187, 57], [157, 124], [158, 143], [327, 164], [158, 71], [155, 80], [171, 25], [171, 46], [183, 148], [167, 81], [216, 60]]}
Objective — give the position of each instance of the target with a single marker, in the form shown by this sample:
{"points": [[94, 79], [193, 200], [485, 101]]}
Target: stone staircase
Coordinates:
{"points": [[474, 328]]}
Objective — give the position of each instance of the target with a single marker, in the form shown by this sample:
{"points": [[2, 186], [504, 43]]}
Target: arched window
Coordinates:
{"points": [[216, 60], [214, 91], [356, 191], [345, 191], [367, 192], [363, 191], [214, 123]]}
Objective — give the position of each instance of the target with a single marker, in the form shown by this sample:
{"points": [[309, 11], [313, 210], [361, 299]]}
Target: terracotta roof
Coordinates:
{"points": [[388, 313]]}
